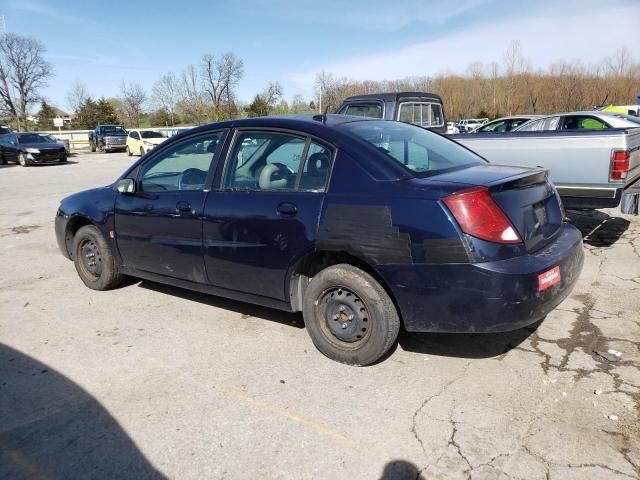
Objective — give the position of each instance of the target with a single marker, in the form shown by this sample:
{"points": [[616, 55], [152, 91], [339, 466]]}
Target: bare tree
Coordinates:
{"points": [[191, 103], [76, 96], [23, 72], [272, 94], [132, 100], [165, 94], [220, 76], [298, 105]]}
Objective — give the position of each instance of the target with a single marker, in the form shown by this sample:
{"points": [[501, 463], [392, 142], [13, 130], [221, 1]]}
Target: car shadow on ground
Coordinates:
{"points": [[598, 229], [51, 428], [243, 308], [465, 345], [443, 344]]}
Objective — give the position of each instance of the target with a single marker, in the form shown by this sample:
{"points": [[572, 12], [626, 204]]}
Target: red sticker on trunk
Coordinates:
{"points": [[548, 278]]}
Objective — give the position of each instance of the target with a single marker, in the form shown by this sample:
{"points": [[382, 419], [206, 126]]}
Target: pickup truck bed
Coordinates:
{"points": [[580, 162]]}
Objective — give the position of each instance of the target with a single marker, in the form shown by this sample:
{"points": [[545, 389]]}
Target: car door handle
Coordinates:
{"points": [[183, 207], [287, 209]]}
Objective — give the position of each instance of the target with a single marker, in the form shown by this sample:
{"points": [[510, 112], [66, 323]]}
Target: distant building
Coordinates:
{"points": [[66, 117]]}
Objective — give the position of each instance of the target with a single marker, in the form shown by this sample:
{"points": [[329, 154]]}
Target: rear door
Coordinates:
{"points": [[159, 228], [265, 214]]}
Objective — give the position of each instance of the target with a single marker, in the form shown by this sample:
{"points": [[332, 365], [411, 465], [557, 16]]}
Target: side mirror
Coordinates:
{"points": [[126, 186]]}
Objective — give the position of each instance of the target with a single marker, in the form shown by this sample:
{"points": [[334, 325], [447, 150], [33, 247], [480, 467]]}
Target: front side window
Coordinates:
{"points": [[531, 126], [371, 110], [134, 135], [277, 161], [419, 150], [183, 166], [501, 126]]}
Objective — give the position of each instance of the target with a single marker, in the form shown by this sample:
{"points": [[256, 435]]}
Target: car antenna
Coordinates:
{"points": [[322, 117]]}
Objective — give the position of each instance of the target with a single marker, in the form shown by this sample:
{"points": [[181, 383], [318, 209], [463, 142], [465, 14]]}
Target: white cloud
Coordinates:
{"points": [[587, 33], [45, 10]]}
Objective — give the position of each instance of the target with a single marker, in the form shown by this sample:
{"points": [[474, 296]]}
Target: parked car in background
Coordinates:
{"points": [[4, 130], [108, 138], [591, 165], [360, 224], [141, 141], [452, 129], [470, 124], [418, 108], [589, 120], [505, 124], [30, 149], [62, 141]]}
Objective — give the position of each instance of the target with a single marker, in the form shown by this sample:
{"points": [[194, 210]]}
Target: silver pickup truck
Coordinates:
{"points": [[590, 168]]}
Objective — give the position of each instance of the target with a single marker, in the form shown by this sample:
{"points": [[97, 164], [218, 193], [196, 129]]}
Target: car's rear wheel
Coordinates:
{"points": [[128, 151], [3, 161], [22, 160], [93, 259], [349, 316]]}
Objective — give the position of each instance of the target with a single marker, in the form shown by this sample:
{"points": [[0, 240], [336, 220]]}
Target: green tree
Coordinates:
{"points": [[46, 116], [92, 113], [258, 108]]}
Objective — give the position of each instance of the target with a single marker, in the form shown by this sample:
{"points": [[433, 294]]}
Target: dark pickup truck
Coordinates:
{"points": [[418, 108], [107, 138]]}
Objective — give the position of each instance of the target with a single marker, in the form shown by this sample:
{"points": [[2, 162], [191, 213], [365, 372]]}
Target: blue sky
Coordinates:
{"points": [[103, 43]]}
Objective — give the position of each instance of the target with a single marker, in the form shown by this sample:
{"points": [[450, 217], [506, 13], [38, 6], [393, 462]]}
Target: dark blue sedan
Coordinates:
{"points": [[360, 224]]}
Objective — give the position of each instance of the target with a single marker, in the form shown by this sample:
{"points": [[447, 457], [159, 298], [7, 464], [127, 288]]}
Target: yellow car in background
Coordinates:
{"points": [[140, 142]]}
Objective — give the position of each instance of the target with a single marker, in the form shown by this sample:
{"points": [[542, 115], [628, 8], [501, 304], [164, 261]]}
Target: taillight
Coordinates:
{"points": [[619, 165], [478, 215]]}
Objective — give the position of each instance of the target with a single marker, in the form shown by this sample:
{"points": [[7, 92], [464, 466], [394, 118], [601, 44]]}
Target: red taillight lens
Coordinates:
{"points": [[619, 165], [478, 215]]}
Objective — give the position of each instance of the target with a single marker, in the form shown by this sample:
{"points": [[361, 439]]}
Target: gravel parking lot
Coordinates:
{"points": [[149, 381]]}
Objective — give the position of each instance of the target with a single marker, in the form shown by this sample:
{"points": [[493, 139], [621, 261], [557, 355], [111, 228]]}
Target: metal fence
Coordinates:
{"points": [[79, 139]]}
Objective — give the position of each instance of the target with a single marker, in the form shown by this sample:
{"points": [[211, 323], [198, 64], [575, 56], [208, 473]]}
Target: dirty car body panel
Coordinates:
{"points": [[246, 237]]}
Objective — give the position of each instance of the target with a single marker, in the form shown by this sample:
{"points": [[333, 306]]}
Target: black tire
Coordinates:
{"points": [[128, 151], [359, 302], [141, 151], [93, 146], [3, 161], [104, 274]]}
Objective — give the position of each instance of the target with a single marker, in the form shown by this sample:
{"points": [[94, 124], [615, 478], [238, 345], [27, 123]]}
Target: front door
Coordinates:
{"points": [[266, 213], [159, 227]]}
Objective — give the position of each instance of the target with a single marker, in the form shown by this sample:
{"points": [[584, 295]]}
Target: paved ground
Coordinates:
{"points": [[151, 381]]}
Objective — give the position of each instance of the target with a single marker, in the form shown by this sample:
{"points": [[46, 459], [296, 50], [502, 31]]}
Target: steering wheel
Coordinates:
{"points": [[278, 170], [192, 179]]}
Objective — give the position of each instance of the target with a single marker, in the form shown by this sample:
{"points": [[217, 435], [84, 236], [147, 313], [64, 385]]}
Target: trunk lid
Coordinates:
{"points": [[525, 196]]}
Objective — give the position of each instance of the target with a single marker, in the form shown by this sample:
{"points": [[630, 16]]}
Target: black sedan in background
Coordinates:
{"points": [[30, 149]]}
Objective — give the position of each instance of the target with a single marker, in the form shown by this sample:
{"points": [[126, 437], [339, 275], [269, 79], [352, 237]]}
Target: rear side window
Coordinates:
{"points": [[419, 150], [371, 110], [583, 122], [277, 161], [421, 114], [501, 126]]}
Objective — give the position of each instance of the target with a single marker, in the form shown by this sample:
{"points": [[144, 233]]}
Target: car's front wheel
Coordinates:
{"points": [[22, 160], [349, 316], [128, 151], [141, 151], [93, 259]]}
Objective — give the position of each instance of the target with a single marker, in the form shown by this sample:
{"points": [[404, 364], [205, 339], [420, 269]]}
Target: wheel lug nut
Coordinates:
{"points": [[350, 317], [342, 308], [335, 317], [344, 325]]}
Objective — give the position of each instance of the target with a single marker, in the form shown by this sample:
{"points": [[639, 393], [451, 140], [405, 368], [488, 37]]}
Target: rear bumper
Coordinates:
{"points": [[485, 297], [590, 197]]}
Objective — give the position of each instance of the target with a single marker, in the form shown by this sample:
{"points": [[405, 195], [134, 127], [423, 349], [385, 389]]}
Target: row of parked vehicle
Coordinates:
{"points": [[593, 157]]}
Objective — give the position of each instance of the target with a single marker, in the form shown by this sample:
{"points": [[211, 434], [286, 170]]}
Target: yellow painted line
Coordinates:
{"points": [[25, 465], [230, 392]]}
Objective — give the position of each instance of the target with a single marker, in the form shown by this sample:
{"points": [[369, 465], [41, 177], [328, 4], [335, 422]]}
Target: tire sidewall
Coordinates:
{"points": [[109, 275], [383, 318], [22, 160]]}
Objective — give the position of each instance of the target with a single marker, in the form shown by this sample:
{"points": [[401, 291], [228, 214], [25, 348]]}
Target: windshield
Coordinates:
{"points": [[32, 138], [48, 138], [113, 131], [421, 151], [151, 134]]}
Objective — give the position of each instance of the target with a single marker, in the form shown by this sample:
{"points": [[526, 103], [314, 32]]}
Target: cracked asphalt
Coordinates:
{"points": [[149, 381]]}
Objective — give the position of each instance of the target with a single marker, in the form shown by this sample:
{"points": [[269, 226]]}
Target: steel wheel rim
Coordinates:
{"points": [[344, 317], [90, 259]]}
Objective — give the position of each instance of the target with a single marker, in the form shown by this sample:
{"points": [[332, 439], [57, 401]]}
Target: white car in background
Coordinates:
{"points": [[470, 124], [452, 129], [588, 120]]}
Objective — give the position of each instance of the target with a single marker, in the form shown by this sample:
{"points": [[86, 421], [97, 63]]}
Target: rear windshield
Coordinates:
{"points": [[151, 134], [421, 151], [371, 110]]}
